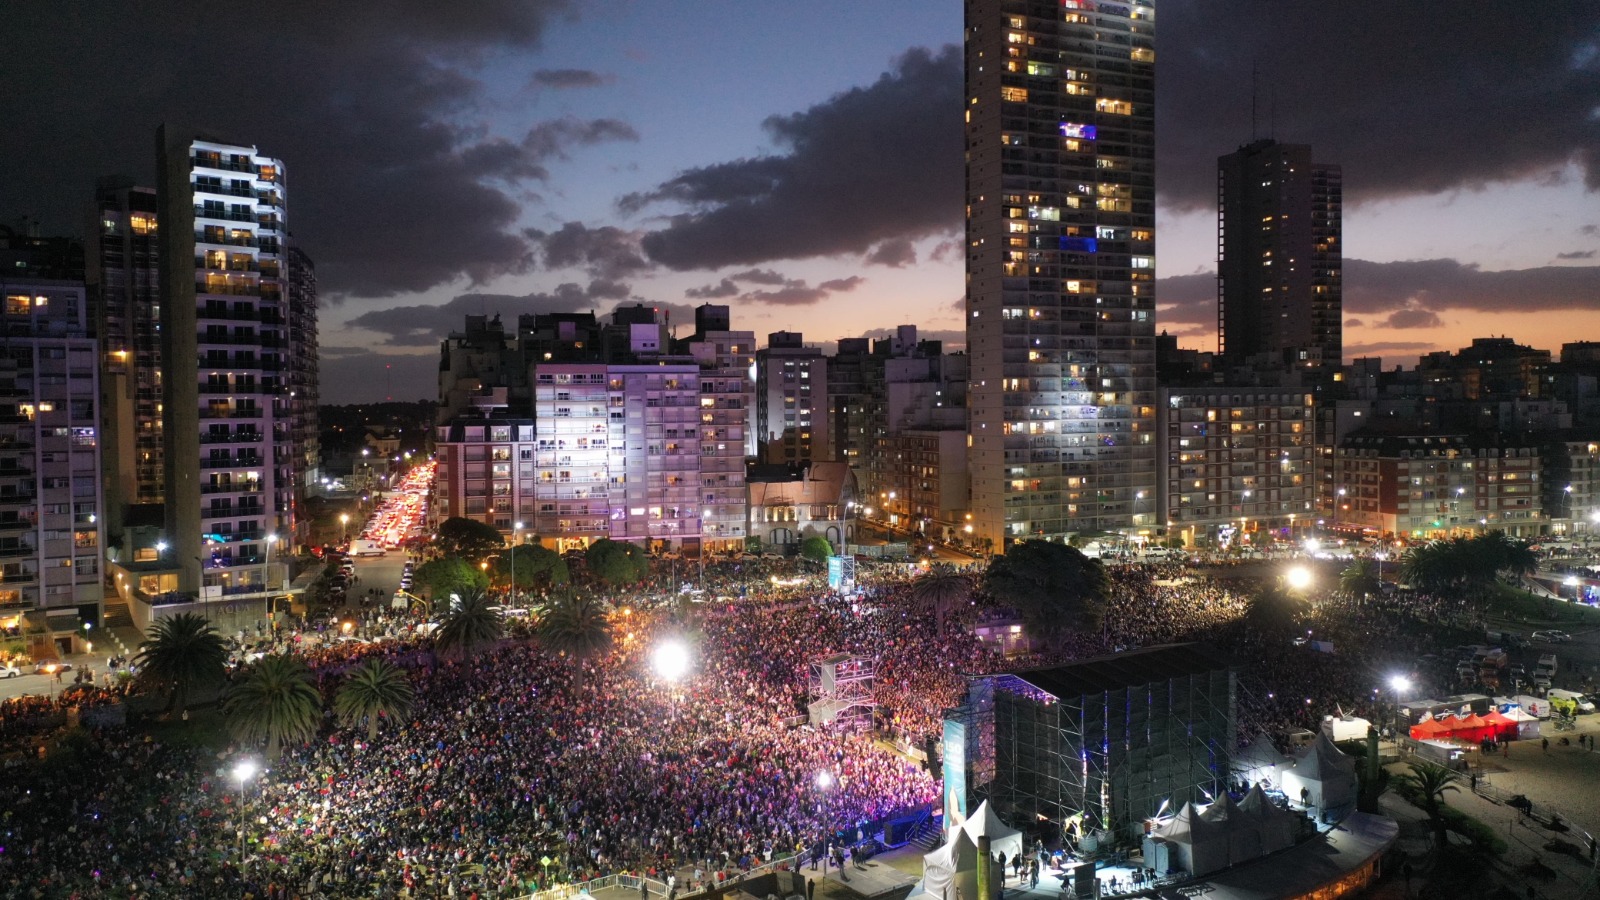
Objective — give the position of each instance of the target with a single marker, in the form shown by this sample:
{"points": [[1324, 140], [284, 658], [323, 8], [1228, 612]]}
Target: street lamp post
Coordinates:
{"points": [[243, 771], [344, 523], [516, 535], [825, 784], [266, 572]]}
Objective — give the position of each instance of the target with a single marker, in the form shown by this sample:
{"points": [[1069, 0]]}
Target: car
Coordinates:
{"points": [[1552, 636], [7, 670], [44, 667]]}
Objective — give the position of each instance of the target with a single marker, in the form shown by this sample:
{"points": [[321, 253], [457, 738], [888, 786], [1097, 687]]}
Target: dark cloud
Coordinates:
{"points": [[1405, 290], [550, 140], [564, 79], [605, 252], [327, 350], [1576, 254], [1589, 229], [1355, 323], [1372, 288], [1412, 318], [842, 284], [947, 251], [872, 164], [1367, 349], [1479, 99], [367, 377], [364, 102], [723, 288], [759, 276], [895, 254], [425, 325]]}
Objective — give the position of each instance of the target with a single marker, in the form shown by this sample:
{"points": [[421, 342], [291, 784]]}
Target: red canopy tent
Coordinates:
{"points": [[1473, 728], [1503, 726], [1427, 728]]}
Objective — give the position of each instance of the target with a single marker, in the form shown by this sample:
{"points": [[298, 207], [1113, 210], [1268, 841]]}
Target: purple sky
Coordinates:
{"points": [[802, 162]]}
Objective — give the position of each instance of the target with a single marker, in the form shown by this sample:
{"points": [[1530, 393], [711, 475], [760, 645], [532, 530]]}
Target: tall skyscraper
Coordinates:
{"points": [[230, 465], [125, 302], [304, 390], [1278, 256], [1060, 132]]}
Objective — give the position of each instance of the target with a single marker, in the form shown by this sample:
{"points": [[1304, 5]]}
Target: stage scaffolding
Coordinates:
{"points": [[1102, 742], [841, 691]]}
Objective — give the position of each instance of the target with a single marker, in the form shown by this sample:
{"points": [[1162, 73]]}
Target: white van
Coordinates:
{"points": [[1584, 703]]}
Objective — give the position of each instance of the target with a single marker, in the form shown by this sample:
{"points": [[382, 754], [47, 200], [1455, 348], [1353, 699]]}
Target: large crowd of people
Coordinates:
{"points": [[517, 768]]}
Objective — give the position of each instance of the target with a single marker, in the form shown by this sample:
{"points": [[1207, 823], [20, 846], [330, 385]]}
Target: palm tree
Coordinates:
{"points": [[183, 653], [275, 702], [942, 592], [471, 623], [1426, 784], [1360, 578], [375, 689], [574, 625]]}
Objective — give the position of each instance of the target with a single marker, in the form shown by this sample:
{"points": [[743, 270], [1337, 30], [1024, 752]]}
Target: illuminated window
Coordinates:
{"points": [[1014, 94]]}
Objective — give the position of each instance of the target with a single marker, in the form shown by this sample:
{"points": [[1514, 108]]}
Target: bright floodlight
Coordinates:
{"points": [[824, 779], [1571, 581], [1299, 578], [245, 770], [670, 660], [1312, 545], [1401, 684]]}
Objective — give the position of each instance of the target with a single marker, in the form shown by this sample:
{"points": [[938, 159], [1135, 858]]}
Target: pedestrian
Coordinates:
{"points": [[644, 888], [1505, 750], [1546, 743], [811, 889]]}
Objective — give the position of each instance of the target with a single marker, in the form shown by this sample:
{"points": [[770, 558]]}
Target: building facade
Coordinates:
{"points": [[225, 345], [724, 358], [1279, 256], [50, 478], [303, 384], [125, 297], [485, 471], [792, 400], [1426, 486], [1061, 236], [1236, 460]]}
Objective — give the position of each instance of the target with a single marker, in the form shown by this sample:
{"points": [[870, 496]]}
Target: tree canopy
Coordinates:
{"points": [[574, 625], [816, 548], [536, 566], [617, 562], [467, 538], [1360, 578], [275, 703], [374, 690], [1466, 563], [469, 625], [182, 653], [941, 593], [439, 578], [1054, 588]]}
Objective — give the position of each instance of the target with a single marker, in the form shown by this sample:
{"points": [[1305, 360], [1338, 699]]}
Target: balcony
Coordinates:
{"points": [[233, 512], [247, 487], [236, 437], [243, 463]]}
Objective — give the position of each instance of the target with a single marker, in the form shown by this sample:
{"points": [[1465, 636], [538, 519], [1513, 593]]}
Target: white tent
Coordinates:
{"points": [[1002, 838], [1324, 773], [1260, 761], [951, 870], [1244, 839], [1202, 847], [1276, 825]]}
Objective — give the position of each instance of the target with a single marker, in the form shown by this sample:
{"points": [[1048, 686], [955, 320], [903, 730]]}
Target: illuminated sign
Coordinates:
{"points": [[1077, 130]]}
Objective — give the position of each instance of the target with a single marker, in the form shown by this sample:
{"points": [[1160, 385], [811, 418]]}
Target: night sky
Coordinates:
{"points": [[802, 161]]}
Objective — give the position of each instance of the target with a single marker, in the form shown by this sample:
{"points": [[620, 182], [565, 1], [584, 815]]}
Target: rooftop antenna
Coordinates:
{"points": [[1253, 92]]}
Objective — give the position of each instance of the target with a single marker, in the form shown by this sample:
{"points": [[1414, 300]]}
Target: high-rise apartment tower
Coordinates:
{"points": [[1060, 144], [1278, 256]]}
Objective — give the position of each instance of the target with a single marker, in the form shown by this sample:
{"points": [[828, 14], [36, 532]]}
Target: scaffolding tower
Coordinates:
{"points": [[1102, 745], [841, 691]]}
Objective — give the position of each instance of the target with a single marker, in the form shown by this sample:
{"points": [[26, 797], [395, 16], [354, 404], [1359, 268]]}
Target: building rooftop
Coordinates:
{"points": [[1124, 670]]}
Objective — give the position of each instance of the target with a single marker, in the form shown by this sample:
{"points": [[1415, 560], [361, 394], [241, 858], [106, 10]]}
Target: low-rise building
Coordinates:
{"points": [[1425, 486]]}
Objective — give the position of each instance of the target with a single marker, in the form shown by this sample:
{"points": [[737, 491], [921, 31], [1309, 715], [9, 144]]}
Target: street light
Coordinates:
{"points": [[344, 522], [266, 572], [1401, 684], [670, 660], [825, 785], [1298, 578], [516, 535], [244, 770]]}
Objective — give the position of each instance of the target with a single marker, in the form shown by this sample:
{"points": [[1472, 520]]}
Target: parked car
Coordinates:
{"points": [[1552, 636], [7, 670]]}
